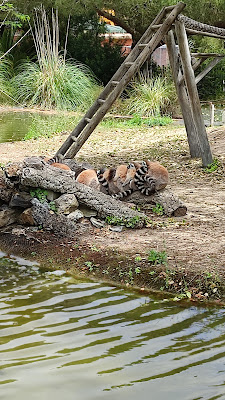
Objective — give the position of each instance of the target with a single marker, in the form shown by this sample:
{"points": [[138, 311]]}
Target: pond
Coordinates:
{"points": [[68, 338], [17, 125]]}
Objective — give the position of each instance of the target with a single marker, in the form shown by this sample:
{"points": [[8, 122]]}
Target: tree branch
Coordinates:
{"points": [[136, 35]]}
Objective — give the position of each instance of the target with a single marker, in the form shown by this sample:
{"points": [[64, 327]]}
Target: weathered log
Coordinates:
{"points": [[171, 204], [61, 181], [59, 224]]}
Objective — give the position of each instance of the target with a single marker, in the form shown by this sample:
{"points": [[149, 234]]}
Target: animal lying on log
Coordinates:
{"points": [[147, 177]]}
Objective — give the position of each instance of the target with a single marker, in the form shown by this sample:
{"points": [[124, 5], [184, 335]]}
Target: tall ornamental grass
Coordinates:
{"points": [[52, 82], [5, 85], [150, 97]]}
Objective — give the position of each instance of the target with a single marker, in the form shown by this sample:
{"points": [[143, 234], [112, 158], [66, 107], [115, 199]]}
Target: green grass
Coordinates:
{"points": [[53, 82], [150, 97], [46, 126]]}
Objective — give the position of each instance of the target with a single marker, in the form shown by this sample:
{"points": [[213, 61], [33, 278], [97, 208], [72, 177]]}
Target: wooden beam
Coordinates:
{"points": [[183, 97], [195, 105], [208, 68], [207, 55], [195, 32]]}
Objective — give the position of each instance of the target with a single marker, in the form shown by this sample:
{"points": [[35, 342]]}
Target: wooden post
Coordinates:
{"points": [[211, 113], [183, 97], [195, 105]]}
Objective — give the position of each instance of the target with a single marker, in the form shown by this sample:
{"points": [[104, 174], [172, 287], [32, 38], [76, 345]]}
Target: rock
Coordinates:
{"points": [[97, 222], [52, 196], [116, 228], [8, 215], [5, 192], [22, 199], [59, 224], [26, 218], [66, 203], [88, 212], [75, 216]]}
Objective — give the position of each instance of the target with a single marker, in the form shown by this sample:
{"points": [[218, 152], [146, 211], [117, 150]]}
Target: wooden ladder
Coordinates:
{"points": [[146, 45]]}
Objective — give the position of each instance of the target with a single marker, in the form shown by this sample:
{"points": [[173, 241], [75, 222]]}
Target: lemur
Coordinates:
{"points": [[113, 179], [56, 162], [147, 177], [150, 177], [89, 178]]}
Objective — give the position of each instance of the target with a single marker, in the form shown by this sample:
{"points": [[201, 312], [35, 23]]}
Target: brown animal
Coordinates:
{"points": [[89, 178]]}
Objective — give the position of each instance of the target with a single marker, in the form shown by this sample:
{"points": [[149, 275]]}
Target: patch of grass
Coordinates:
{"points": [[39, 194], [213, 166], [127, 222], [157, 257], [158, 209], [148, 97], [136, 120], [53, 82], [49, 125]]}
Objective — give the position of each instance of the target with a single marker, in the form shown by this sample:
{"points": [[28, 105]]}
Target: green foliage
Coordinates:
{"points": [[52, 206], [6, 70], [48, 125], [39, 194], [10, 16], [138, 258], [158, 209], [87, 44], [213, 166], [150, 97], [157, 257], [53, 82], [60, 85], [90, 265], [127, 222]]}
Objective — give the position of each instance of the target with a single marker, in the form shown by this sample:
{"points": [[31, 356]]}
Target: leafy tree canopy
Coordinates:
{"points": [[135, 15]]}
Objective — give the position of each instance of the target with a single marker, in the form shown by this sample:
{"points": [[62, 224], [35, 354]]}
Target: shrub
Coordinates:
{"points": [[150, 97], [53, 82]]}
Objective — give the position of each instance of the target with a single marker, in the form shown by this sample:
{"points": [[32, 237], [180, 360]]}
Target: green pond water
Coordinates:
{"points": [[65, 338]]}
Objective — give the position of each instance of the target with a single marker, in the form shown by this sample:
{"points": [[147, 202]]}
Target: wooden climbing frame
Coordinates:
{"points": [[183, 65]]}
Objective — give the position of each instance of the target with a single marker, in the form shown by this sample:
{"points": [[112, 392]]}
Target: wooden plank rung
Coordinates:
{"points": [[142, 45], [154, 27]]}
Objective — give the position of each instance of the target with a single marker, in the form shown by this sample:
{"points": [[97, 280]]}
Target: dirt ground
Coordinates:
{"points": [[194, 244]]}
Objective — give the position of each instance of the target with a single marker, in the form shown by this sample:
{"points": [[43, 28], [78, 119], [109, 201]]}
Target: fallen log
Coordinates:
{"points": [[37, 174], [171, 203]]}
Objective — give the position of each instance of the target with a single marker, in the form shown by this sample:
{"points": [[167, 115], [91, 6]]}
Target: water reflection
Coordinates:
{"points": [[14, 125], [62, 337]]}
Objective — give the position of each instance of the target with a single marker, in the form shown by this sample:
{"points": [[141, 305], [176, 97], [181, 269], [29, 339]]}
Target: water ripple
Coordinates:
{"points": [[61, 336]]}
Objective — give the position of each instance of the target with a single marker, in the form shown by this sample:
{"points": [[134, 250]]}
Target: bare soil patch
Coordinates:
{"points": [[194, 244]]}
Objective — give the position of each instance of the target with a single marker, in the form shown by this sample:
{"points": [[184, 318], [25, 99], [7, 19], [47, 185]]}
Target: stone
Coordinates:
{"points": [[8, 215], [88, 212], [5, 192], [21, 199], [116, 228], [75, 216], [97, 223], [66, 203], [52, 196], [26, 218]]}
